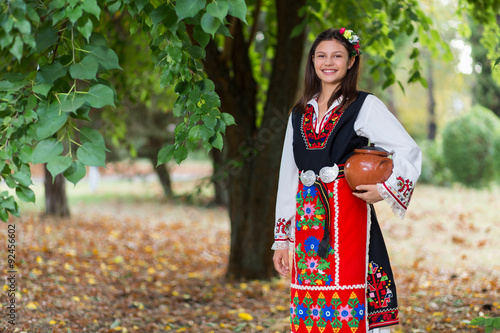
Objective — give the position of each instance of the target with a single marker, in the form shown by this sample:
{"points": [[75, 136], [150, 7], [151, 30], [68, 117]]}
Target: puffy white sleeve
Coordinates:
{"points": [[381, 127], [287, 190]]}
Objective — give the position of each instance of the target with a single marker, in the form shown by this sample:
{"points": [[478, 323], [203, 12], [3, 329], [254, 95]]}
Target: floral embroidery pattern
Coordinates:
{"points": [[405, 187], [379, 296], [282, 227], [315, 140], [379, 293], [310, 209], [318, 312], [310, 266], [399, 196]]}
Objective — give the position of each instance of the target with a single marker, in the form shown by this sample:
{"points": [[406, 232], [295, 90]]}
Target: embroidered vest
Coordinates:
{"points": [[335, 143]]}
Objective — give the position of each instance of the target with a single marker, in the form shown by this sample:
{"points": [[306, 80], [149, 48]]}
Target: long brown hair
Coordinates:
{"points": [[348, 88]]}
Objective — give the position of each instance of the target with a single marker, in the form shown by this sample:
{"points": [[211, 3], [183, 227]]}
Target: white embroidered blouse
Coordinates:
{"points": [[382, 129]]}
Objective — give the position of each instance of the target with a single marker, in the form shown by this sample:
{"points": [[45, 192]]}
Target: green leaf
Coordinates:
{"points": [[25, 194], [45, 38], [56, 4], [188, 8], [75, 172], [159, 13], [180, 87], [238, 8], [59, 164], [209, 24], [10, 181], [209, 121], [23, 26], [82, 113], [74, 13], [496, 62], [9, 203], [25, 154], [196, 52], [106, 57], [179, 110], [228, 119], [218, 142], [50, 73], [113, 8], [22, 178], [98, 40], [90, 135], [141, 4], [479, 321], [71, 102], [206, 133], [194, 133], [47, 150], [85, 69], [49, 121], [165, 154], [218, 9], [180, 154], [297, 30], [201, 36], [175, 53], [4, 215], [17, 48], [206, 85], [6, 24], [86, 28], [91, 7], [100, 95], [91, 154], [42, 89]]}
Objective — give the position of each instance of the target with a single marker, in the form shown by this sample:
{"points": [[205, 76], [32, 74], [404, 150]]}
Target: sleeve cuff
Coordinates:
{"points": [[398, 208]]}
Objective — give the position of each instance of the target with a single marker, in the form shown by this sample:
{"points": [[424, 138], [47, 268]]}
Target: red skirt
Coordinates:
{"points": [[329, 294]]}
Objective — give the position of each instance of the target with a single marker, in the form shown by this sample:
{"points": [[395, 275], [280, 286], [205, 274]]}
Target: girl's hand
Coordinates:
{"points": [[368, 193], [280, 260]]}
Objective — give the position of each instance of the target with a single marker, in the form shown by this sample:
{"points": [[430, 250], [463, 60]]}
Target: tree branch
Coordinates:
{"points": [[229, 41], [256, 15]]}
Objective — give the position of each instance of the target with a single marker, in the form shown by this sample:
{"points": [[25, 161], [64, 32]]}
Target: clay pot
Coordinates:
{"points": [[368, 165]]}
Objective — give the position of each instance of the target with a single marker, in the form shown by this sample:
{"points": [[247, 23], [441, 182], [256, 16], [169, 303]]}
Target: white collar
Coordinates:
{"points": [[314, 103]]}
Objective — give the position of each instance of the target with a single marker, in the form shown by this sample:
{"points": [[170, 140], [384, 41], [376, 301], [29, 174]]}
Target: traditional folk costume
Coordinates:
{"points": [[341, 276]]}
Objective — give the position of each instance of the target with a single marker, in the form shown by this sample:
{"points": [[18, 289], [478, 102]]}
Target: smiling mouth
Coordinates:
{"points": [[329, 71]]}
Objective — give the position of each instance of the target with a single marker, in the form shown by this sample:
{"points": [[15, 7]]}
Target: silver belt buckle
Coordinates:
{"points": [[329, 174], [326, 174], [308, 177]]}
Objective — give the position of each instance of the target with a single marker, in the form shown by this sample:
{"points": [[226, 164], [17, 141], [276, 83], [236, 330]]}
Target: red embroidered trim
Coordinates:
{"points": [[395, 198], [319, 140], [386, 318]]}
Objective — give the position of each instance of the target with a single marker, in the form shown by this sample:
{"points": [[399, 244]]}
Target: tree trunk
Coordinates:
{"points": [[253, 154], [56, 202], [391, 105], [164, 177], [162, 173], [219, 179], [431, 105]]}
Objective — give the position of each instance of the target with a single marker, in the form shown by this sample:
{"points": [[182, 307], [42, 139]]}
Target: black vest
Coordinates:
{"points": [[340, 143]]}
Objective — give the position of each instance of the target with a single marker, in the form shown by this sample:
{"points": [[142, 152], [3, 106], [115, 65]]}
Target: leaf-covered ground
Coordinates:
{"points": [[118, 265]]}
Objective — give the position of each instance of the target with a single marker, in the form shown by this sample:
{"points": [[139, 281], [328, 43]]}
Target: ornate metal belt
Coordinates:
{"points": [[327, 175]]}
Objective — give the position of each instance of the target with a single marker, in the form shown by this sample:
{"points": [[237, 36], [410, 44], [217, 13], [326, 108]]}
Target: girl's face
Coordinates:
{"points": [[331, 62]]}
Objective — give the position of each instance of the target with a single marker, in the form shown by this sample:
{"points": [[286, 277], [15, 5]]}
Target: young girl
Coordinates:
{"points": [[341, 277]]}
